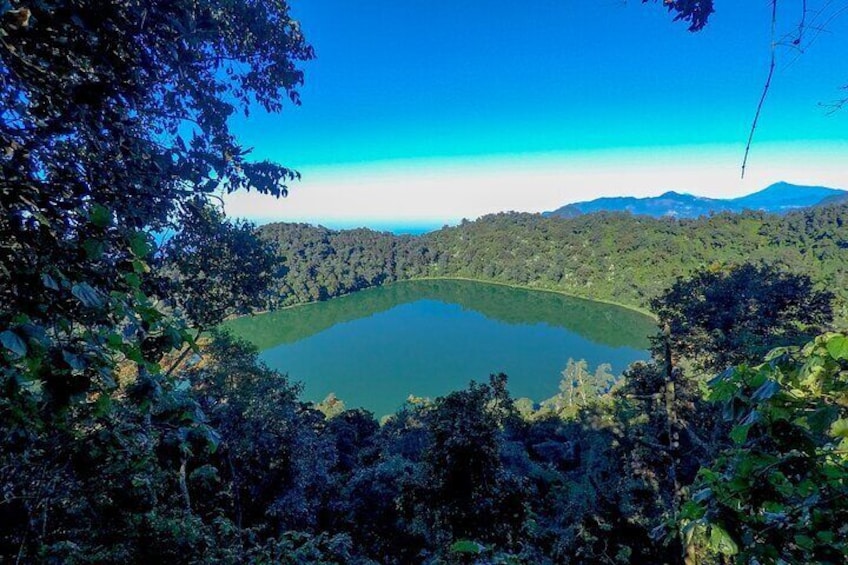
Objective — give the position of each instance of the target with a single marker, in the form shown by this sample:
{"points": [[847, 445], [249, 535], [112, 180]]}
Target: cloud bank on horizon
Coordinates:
{"points": [[422, 112], [445, 191]]}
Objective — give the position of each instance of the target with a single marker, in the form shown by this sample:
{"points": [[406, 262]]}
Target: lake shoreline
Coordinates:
{"points": [[630, 307], [429, 337]]}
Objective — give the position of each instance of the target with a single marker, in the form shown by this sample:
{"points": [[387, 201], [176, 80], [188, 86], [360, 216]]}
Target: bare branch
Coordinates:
{"points": [[766, 86]]}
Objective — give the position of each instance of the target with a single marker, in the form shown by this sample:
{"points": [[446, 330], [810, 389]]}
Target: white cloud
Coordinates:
{"points": [[447, 190]]}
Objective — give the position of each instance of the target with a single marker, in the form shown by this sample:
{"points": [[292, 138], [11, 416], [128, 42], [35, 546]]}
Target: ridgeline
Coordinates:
{"points": [[616, 257]]}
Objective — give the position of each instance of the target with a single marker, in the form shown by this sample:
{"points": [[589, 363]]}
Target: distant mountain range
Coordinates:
{"points": [[778, 198]]}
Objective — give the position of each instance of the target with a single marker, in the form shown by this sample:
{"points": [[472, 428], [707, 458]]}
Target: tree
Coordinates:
{"points": [[723, 317], [466, 492], [695, 12], [644, 452], [275, 459], [114, 114], [216, 268], [578, 388], [115, 118], [779, 493]]}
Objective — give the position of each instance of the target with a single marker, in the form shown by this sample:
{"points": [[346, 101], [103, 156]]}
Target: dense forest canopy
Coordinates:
{"points": [[609, 256], [115, 124], [127, 440]]}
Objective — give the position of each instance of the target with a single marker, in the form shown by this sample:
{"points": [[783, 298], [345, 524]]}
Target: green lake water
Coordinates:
{"points": [[426, 338]]}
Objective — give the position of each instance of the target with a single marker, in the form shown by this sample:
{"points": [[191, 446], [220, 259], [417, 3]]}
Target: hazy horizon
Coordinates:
{"points": [[422, 113], [417, 226]]}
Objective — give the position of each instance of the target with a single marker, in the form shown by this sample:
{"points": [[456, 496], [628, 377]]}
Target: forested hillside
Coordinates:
{"points": [[318, 263], [134, 433], [609, 256]]}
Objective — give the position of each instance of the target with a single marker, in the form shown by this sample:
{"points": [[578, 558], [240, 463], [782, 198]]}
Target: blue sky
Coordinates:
{"points": [[431, 111]]}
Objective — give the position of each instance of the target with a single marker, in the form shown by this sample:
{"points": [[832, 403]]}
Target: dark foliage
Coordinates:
{"points": [[779, 492], [126, 441], [216, 268], [320, 263], [719, 318], [114, 120], [467, 493], [114, 115], [695, 12]]}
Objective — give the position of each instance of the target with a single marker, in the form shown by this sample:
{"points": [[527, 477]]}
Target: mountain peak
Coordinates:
{"points": [[670, 194], [781, 185], [779, 197], [783, 196]]}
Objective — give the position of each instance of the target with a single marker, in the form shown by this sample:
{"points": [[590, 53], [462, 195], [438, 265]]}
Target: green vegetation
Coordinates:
{"points": [[780, 490], [320, 263], [578, 389], [769, 308], [617, 257], [125, 440]]}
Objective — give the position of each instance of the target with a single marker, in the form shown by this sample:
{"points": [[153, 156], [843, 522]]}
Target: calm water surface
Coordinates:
{"points": [[426, 338]]}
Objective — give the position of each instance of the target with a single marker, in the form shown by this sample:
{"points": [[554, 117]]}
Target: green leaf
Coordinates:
{"points": [[777, 353], [708, 474], [86, 294], [134, 354], [721, 542], [139, 244], [466, 547], [103, 404], [100, 216], [115, 340], [13, 343], [826, 536], [94, 248], [766, 391], [140, 267], [837, 347], [833, 472], [840, 428], [821, 419], [804, 542], [133, 280], [739, 434], [213, 440], [691, 511]]}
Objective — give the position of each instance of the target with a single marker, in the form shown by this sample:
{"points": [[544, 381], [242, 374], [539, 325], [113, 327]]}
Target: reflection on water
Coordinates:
{"points": [[375, 347]]}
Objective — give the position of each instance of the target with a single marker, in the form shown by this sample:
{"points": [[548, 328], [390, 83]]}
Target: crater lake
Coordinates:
{"points": [[375, 348]]}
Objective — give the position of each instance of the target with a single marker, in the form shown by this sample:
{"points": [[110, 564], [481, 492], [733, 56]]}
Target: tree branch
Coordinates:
{"points": [[766, 86]]}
